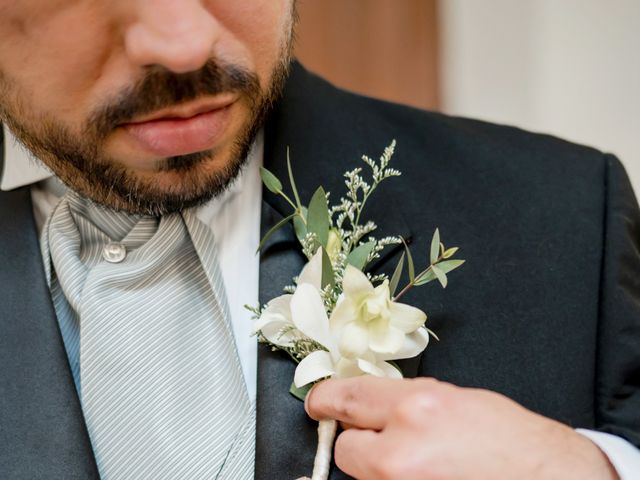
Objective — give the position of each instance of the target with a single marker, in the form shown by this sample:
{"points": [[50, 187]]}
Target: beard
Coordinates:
{"points": [[80, 162]]}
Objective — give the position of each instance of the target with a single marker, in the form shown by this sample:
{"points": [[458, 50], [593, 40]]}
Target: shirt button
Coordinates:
{"points": [[114, 252]]}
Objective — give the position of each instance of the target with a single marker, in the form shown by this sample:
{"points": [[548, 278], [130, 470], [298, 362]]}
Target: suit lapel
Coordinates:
{"points": [[43, 432], [286, 437]]}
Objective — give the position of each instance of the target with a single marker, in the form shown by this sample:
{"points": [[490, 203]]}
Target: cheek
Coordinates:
{"points": [[55, 60], [260, 27]]}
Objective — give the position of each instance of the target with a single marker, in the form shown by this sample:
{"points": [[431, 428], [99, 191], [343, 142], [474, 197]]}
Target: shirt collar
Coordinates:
{"points": [[241, 184], [20, 166]]}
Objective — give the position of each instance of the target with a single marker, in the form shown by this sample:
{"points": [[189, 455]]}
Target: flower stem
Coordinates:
{"points": [[408, 287], [288, 200], [412, 284], [354, 226], [326, 435]]}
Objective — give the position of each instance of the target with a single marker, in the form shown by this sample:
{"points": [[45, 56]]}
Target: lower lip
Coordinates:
{"points": [[171, 137]]}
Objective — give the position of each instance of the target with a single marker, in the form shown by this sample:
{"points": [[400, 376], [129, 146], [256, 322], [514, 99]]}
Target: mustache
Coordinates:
{"points": [[160, 88]]}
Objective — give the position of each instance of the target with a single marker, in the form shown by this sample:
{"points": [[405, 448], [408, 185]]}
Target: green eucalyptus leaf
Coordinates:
{"points": [[300, 393], [410, 265], [299, 227], [425, 277], [450, 252], [445, 267], [300, 224], [449, 265], [292, 182], [359, 255], [270, 181], [397, 274], [435, 246], [318, 216], [328, 277], [274, 229], [440, 275]]}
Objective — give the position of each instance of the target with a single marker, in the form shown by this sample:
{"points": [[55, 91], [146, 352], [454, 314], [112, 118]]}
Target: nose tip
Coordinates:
{"points": [[177, 37], [178, 54]]}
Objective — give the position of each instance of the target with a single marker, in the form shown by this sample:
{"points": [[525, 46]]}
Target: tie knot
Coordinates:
{"points": [[102, 227], [116, 225]]}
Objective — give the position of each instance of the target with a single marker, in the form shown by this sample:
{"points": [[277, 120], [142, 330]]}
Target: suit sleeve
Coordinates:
{"points": [[618, 368]]}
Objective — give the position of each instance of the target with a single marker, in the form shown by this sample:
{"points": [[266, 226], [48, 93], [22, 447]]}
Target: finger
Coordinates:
{"points": [[363, 402], [354, 451]]}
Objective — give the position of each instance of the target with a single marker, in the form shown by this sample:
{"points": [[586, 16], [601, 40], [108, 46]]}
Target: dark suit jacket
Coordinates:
{"points": [[546, 310]]}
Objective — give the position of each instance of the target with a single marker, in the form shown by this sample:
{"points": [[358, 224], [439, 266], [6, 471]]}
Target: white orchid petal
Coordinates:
{"points": [[309, 316], [386, 341], [344, 313], [370, 357], [355, 283], [261, 322], [282, 334], [405, 317], [276, 310], [354, 340], [414, 344], [370, 368], [313, 367], [382, 290], [312, 271], [347, 368], [389, 371], [275, 323]]}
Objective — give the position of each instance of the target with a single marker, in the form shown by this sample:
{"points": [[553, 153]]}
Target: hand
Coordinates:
{"points": [[424, 429]]}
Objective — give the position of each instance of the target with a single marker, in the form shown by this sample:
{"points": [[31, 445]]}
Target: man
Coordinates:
{"points": [[147, 111]]}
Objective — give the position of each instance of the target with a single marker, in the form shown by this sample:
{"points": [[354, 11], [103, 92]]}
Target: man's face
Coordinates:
{"points": [[144, 105]]}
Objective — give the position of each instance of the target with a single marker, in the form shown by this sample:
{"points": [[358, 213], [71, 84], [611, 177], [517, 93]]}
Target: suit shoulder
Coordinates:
{"points": [[429, 131], [326, 122]]}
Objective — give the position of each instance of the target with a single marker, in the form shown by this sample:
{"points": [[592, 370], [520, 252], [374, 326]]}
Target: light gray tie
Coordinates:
{"points": [[143, 311]]}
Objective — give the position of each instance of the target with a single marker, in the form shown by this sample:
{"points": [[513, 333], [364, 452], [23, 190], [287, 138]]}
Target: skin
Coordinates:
{"points": [[423, 429], [61, 61]]}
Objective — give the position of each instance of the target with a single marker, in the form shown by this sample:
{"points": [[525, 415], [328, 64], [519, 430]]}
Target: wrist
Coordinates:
{"points": [[576, 456]]}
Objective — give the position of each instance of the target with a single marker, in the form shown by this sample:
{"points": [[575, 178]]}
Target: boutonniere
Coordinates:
{"points": [[338, 320]]}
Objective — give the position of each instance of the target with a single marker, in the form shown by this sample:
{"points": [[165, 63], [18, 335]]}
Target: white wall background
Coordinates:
{"points": [[566, 67]]}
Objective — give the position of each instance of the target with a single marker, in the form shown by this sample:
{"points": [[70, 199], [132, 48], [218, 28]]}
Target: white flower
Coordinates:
{"points": [[366, 328], [275, 323], [312, 271], [310, 317], [366, 319]]}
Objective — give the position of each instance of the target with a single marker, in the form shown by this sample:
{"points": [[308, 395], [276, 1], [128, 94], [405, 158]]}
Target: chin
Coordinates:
{"points": [[175, 184]]}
